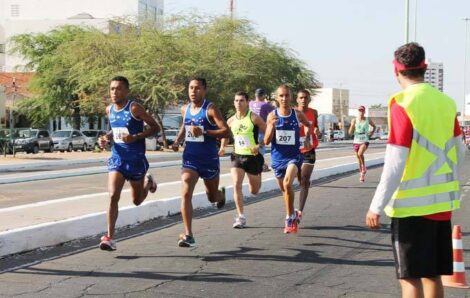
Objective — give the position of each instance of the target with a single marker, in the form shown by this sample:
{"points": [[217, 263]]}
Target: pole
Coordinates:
{"points": [[465, 70], [407, 21], [12, 122], [416, 19], [231, 8], [341, 106]]}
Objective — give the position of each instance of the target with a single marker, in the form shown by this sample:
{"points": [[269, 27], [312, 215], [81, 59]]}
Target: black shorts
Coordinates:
{"points": [[422, 247], [310, 157], [252, 164]]}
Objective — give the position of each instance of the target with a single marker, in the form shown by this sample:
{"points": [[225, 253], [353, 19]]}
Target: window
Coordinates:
{"points": [[2, 48], [15, 10]]}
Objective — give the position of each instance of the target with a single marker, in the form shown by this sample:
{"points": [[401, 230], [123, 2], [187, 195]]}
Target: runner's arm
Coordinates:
{"points": [[139, 112], [224, 141], [180, 137], [270, 123], [351, 128], [223, 131], [259, 122], [371, 123], [306, 123]]}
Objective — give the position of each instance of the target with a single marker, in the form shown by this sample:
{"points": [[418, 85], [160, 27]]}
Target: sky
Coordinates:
{"points": [[350, 43]]}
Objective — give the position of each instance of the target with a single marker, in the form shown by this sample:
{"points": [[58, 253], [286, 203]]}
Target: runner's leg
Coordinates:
{"points": [[189, 179], [291, 174], [305, 174], [115, 184], [237, 176]]}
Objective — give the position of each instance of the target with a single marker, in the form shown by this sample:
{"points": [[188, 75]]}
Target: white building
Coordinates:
{"points": [[329, 101], [39, 16], [435, 74]]}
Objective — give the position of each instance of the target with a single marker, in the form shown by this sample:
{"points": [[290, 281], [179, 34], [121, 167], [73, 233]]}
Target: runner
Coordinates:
{"points": [[303, 100], [245, 126], [283, 131], [127, 161], [362, 133], [202, 124], [262, 108]]}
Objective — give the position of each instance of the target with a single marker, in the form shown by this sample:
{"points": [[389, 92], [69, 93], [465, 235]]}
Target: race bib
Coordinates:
{"points": [[285, 137], [361, 137], [119, 133], [189, 137], [243, 142]]}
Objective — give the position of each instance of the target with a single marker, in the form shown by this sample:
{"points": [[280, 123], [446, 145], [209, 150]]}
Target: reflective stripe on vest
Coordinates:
{"points": [[429, 193]]}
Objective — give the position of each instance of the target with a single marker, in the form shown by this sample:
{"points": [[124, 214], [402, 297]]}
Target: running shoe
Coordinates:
{"points": [[107, 243], [240, 222], [186, 241], [266, 168], [289, 226], [220, 204], [153, 183], [362, 177]]}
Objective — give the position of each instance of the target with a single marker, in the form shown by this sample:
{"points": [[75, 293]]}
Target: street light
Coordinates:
{"points": [[407, 21], [465, 70]]}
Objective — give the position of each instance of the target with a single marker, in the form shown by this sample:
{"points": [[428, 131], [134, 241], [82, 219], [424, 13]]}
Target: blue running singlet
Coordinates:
{"points": [[123, 122], [203, 149]]}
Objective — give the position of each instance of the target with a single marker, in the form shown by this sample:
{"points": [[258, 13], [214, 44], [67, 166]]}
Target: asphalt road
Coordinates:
{"points": [[15, 194], [333, 255]]}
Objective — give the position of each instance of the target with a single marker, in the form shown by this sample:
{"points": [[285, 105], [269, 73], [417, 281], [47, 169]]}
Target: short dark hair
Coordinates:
{"points": [[242, 93], [121, 79], [200, 80], [304, 91], [411, 55]]}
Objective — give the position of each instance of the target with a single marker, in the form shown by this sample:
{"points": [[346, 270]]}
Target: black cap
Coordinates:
{"points": [[260, 92]]}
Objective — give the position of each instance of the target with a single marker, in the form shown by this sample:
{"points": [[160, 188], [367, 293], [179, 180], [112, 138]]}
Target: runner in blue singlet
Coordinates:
{"points": [[283, 132], [128, 161], [202, 124]]}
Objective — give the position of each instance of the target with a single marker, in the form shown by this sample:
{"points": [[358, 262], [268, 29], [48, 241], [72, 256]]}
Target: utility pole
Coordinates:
{"points": [[465, 71], [232, 8], [407, 21], [12, 121], [341, 115]]}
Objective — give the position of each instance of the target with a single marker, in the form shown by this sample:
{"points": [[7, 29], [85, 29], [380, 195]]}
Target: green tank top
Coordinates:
{"points": [[361, 132], [243, 131]]}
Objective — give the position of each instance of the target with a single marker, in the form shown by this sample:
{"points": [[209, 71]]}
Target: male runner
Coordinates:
{"points": [[303, 100], [282, 130], [127, 161], [202, 124], [245, 126]]}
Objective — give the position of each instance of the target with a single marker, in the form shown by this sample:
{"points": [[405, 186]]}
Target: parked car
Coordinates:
{"points": [[92, 137], [338, 135], [384, 136], [69, 139], [33, 140], [170, 135]]}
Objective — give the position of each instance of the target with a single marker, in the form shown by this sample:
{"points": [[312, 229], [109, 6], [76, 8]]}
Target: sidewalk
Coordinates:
{"points": [[52, 222]]}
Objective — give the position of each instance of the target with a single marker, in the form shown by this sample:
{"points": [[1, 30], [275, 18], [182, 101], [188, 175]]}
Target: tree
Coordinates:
{"points": [[74, 65]]}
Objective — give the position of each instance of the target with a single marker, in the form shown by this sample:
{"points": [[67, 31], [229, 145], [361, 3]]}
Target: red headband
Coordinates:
{"points": [[402, 67]]}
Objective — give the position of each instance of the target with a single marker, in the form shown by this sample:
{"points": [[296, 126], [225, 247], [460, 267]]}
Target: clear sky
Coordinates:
{"points": [[351, 42]]}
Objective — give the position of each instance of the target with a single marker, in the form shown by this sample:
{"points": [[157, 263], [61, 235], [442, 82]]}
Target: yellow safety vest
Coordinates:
{"points": [[430, 182]]}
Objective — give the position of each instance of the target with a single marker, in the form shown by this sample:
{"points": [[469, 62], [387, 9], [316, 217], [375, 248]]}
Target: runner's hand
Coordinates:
{"points": [[221, 152], [102, 141], [127, 138], [175, 146], [196, 131], [272, 121], [254, 150], [373, 220]]}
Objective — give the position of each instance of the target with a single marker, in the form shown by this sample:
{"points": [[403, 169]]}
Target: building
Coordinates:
{"points": [[331, 101], [38, 16], [12, 89], [435, 75]]}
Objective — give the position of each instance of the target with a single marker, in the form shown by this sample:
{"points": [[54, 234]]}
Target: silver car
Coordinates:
{"points": [[69, 139], [92, 136]]}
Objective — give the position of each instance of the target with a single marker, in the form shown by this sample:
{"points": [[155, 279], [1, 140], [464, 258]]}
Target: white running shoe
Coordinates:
{"points": [[107, 243], [152, 181], [240, 222]]}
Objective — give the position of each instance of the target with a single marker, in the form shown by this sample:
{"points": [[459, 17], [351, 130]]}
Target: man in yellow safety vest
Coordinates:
{"points": [[419, 187]]}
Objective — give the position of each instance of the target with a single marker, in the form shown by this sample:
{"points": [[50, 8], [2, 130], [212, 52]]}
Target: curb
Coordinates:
{"points": [[54, 233]]}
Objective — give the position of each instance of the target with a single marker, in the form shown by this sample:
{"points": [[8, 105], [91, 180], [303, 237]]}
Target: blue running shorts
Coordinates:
{"points": [[207, 169], [280, 166], [131, 169]]}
